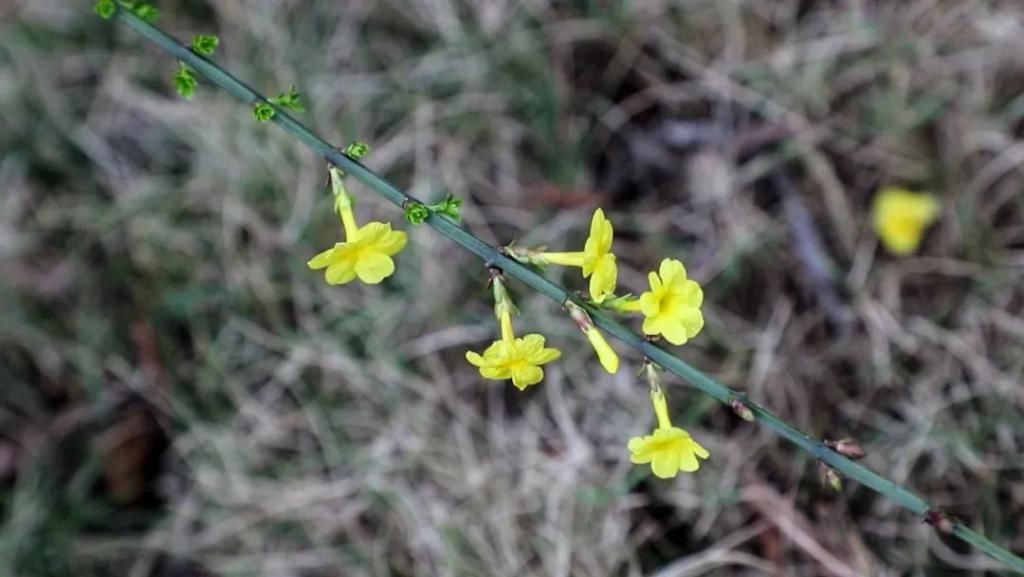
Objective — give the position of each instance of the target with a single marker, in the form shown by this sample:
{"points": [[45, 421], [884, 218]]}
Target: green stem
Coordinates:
{"points": [[467, 240]]}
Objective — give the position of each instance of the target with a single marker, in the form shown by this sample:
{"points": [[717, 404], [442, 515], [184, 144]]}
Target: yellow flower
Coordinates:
{"points": [[366, 254], [668, 449], [518, 359], [367, 250], [900, 217], [605, 353], [513, 358], [596, 259], [672, 307]]}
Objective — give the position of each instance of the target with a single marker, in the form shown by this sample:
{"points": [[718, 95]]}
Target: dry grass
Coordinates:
{"points": [[182, 397]]}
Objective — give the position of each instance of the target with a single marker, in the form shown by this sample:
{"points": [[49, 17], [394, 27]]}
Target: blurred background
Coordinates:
{"points": [[180, 395]]}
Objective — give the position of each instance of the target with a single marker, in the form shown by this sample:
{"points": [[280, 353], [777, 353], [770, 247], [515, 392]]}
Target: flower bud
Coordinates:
{"points": [[830, 477], [847, 447], [741, 409], [939, 519]]}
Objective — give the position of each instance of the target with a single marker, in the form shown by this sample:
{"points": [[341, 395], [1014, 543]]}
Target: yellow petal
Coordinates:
{"points": [[671, 272], [687, 461], [692, 294], [392, 242], [527, 376], [544, 356], [474, 358], [699, 449], [374, 267], [654, 281], [665, 464], [638, 450], [530, 345], [673, 331], [322, 259], [372, 232], [494, 373], [652, 325], [601, 231], [650, 304], [602, 283], [340, 272], [693, 320]]}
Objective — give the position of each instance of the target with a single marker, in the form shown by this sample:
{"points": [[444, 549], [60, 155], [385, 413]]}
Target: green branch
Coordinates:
{"points": [[492, 257]]}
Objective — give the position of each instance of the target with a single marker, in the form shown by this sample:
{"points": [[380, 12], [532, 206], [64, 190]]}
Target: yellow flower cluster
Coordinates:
{"points": [[668, 449], [366, 251], [671, 308]]}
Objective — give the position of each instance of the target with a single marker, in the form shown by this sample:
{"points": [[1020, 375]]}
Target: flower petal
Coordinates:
{"points": [[322, 259], [340, 271], [601, 231], [692, 320], [374, 267], [372, 232], [673, 331], [526, 376], [529, 345], [691, 293], [474, 358], [602, 283], [639, 449], [655, 281], [498, 373], [665, 464], [687, 461], [699, 449], [671, 271], [652, 325], [650, 303], [544, 356], [392, 242]]}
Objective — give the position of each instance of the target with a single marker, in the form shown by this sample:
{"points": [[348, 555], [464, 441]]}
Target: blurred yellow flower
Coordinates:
{"points": [[596, 259], [366, 252], [901, 216], [672, 307], [513, 358], [668, 449]]}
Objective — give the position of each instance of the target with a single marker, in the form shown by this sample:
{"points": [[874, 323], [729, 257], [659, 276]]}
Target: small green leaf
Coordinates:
{"points": [[356, 150], [448, 207], [105, 9], [205, 44], [147, 12], [416, 212], [262, 112], [290, 99], [185, 81]]}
